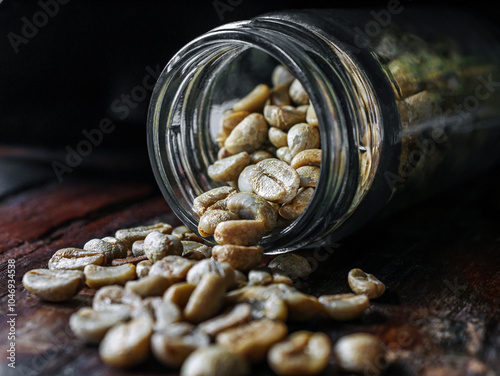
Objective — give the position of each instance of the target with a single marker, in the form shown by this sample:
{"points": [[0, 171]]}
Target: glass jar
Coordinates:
{"points": [[407, 99]]}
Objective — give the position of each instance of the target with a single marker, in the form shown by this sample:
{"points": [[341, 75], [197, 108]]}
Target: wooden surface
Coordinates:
{"points": [[440, 261]]}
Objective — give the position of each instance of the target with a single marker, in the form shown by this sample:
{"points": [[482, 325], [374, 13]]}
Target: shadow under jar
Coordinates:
{"points": [[404, 109]]}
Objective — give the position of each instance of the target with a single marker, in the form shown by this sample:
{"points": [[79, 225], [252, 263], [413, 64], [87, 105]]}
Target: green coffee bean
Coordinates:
{"points": [[302, 136], [344, 306], [247, 136], [91, 326], [274, 180], [239, 257], [254, 339], [302, 353], [53, 285], [255, 100], [173, 344], [363, 283], [99, 276], [359, 352], [127, 344], [229, 168], [281, 76], [75, 259], [110, 251], [158, 245], [130, 235], [298, 94], [206, 299], [215, 361]]}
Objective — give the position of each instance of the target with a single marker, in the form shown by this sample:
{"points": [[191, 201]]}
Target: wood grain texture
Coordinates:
{"points": [[440, 261]]}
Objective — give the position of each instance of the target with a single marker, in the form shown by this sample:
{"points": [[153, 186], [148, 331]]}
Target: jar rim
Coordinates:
{"points": [[339, 168]]}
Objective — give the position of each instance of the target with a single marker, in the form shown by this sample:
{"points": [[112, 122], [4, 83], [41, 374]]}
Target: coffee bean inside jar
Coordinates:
{"points": [[260, 122]]}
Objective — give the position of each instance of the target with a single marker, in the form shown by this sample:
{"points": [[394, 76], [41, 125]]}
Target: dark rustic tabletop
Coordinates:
{"points": [[440, 261]]}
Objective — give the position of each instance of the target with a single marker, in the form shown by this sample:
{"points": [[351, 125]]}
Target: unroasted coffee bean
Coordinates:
{"points": [[127, 344], [281, 76], [173, 344], [239, 257], [280, 96], [184, 233], [99, 276], [229, 168], [301, 137], [130, 235], [363, 283], [209, 221], [207, 199], [138, 248], [274, 180], [75, 259], [344, 306], [243, 182], [151, 285], [194, 250], [240, 232], [239, 314], [309, 176], [296, 207], [120, 247], [277, 137], [359, 352], [309, 157], [179, 293], [53, 285], [311, 117], [165, 313], [298, 94], [174, 268], [284, 154], [283, 117], [158, 245], [275, 308], [247, 136], [206, 299], [279, 277], [231, 119], [116, 298], [222, 204], [258, 277], [254, 339], [292, 265], [302, 353], [215, 361], [251, 206], [211, 266], [255, 100], [109, 250], [260, 155], [146, 308], [91, 326], [142, 268], [300, 306]]}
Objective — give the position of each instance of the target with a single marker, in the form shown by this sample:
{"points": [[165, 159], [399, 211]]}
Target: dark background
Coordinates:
{"points": [[88, 57]]}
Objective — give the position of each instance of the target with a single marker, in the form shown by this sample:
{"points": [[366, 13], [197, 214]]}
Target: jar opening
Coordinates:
{"points": [[205, 79]]}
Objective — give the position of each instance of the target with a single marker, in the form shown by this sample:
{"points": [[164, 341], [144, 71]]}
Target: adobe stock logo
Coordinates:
{"points": [[381, 20], [222, 7], [29, 29]]}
